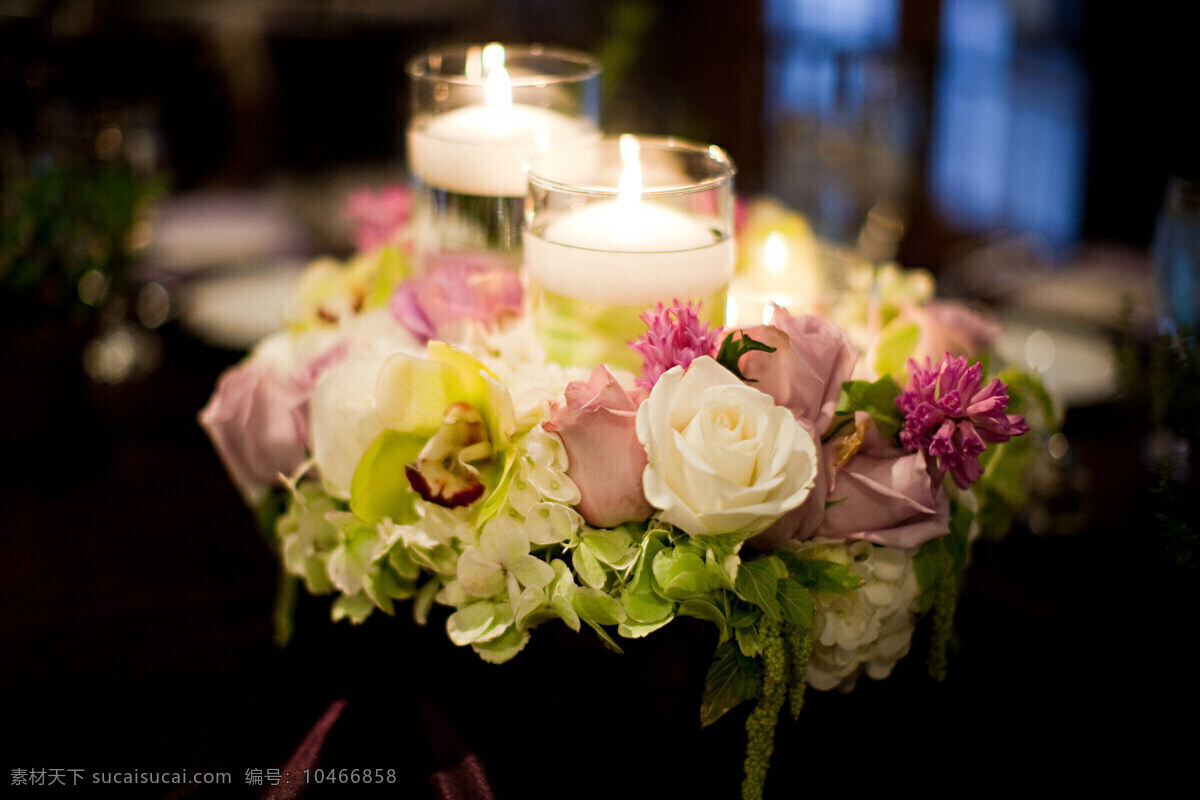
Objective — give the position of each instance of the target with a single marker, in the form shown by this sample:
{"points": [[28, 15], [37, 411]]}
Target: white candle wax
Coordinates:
{"points": [[630, 253], [484, 149]]}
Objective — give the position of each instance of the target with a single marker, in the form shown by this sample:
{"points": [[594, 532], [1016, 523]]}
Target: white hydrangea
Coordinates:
{"points": [[541, 473], [514, 354], [285, 352], [868, 629], [306, 538]]}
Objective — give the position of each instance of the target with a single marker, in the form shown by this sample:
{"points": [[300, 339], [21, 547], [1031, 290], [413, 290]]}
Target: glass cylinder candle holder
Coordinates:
{"points": [[617, 226], [479, 113]]}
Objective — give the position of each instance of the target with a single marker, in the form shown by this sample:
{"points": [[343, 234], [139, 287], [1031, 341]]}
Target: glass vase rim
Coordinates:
{"points": [[587, 67], [715, 153]]}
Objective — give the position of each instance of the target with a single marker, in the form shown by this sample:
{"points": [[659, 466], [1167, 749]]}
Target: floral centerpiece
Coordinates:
{"points": [[809, 495]]}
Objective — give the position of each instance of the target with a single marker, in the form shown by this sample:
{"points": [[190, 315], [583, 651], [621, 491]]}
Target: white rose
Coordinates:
{"points": [[342, 407], [721, 456], [344, 420]]}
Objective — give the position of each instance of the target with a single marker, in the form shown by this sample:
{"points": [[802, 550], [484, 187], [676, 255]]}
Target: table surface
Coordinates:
{"points": [[136, 635]]}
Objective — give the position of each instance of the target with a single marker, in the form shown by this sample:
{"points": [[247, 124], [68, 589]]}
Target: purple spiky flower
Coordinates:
{"points": [[674, 337], [950, 418]]}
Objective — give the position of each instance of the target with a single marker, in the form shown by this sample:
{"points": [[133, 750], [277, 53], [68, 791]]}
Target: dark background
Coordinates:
{"points": [[280, 86]]}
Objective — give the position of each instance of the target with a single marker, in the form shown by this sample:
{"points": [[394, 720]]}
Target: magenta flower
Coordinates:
{"points": [[949, 417], [674, 337]]}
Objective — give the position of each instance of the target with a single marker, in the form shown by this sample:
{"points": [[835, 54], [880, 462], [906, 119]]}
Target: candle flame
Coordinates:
{"points": [[497, 92], [629, 185], [492, 56], [497, 88]]}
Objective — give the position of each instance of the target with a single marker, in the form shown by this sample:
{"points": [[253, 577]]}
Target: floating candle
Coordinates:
{"points": [[483, 149], [593, 270]]}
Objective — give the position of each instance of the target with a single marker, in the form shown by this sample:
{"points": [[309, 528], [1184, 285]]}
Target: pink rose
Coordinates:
{"points": [[950, 327], [812, 360], [596, 421], [456, 291], [257, 422]]}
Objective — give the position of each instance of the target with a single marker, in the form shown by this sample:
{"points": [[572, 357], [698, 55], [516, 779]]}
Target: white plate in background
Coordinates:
{"points": [[1076, 362], [236, 310]]}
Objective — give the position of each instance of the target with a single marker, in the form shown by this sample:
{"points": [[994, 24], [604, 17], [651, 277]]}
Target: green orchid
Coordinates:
{"points": [[416, 398], [330, 290]]}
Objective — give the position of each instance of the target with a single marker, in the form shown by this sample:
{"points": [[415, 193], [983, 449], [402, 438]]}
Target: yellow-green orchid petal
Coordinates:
{"points": [[413, 393]]}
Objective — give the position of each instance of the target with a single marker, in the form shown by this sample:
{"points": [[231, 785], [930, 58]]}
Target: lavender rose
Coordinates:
{"points": [[456, 292], [879, 493], [597, 424], [812, 359], [257, 424], [888, 499]]}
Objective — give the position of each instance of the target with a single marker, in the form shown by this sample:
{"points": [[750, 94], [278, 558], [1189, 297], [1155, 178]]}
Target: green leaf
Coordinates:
{"points": [[316, 574], [743, 616], [594, 605], [643, 573], [706, 609], [605, 637], [682, 575], [795, 604], [720, 568], [531, 607], [636, 630], [285, 606], [613, 547], [354, 607], [471, 622], [562, 589], [942, 558], [748, 640], [736, 345], [387, 583], [588, 568], [402, 562], [722, 545], [877, 399], [758, 583], [819, 575], [503, 647], [731, 679], [562, 608], [646, 606], [424, 601], [380, 488], [958, 540]]}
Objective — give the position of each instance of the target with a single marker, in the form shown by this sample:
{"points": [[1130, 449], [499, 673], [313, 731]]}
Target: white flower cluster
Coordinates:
{"points": [[869, 629], [512, 351]]}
